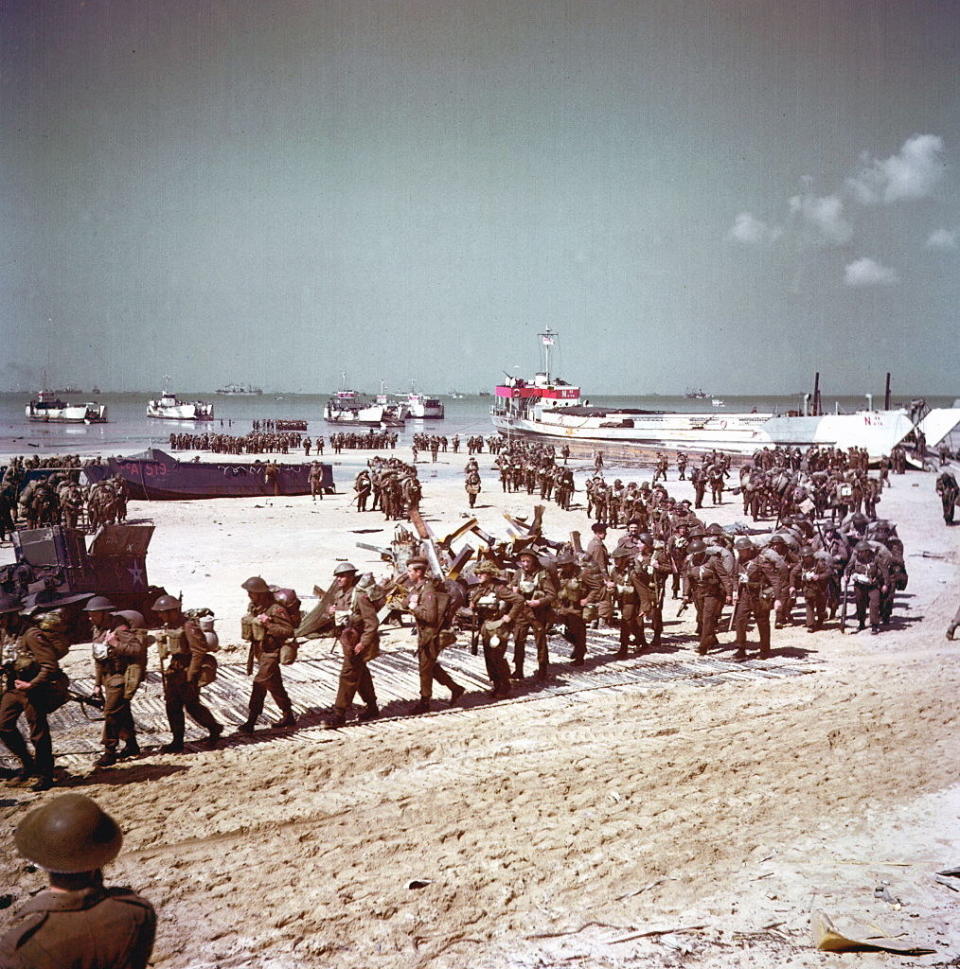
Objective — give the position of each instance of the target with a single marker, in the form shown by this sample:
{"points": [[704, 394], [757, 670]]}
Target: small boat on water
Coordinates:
{"points": [[157, 476], [717, 402], [47, 407], [169, 407], [421, 407], [351, 408], [550, 409], [693, 394]]}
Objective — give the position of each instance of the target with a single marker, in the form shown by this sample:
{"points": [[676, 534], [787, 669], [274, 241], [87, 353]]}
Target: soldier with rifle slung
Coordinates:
{"points": [[649, 575], [182, 648], [266, 626], [34, 685], [811, 576], [119, 659], [356, 625], [711, 587], [949, 492]]}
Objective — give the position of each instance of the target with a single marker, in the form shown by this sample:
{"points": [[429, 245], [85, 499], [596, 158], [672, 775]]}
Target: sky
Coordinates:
{"points": [[726, 193]]}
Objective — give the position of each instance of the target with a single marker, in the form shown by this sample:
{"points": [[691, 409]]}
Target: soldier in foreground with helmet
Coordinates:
{"points": [[76, 922], [266, 626], [120, 660], [35, 686], [427, 601], [182, 648], [356, 625]]}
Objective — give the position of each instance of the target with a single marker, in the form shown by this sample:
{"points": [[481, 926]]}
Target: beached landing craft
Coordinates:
{"points": [[169, 407], [548, 408], [154, 475], [349, 407], [48, 408], [421, 407]]}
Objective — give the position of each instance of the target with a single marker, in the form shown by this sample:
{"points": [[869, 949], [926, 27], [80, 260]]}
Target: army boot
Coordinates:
{"points": [[422, 706], [287, 720]]}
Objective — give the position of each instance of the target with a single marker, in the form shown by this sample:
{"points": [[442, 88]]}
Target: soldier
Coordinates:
{"points": [[572, 596], [870, 581], [712, 588], [758, 590], [428, 602], [356, 625], [698, 479], [34, 684], [362, 486], [631, 630], [651, 566], [489, 601], [533, 612], [316, 480], [120, 661], [949, 492], [266, 626], [182, 644], [76, 921], [660, 470], [597, 550], [682, 465], [811, 576], [472, 486]]}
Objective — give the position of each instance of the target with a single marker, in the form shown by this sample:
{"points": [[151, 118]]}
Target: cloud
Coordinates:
{"points": [[943, 239], [751, 231], [867, 272], [912, 173], [824, 216]]}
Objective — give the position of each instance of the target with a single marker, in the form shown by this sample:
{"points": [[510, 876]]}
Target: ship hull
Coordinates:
{"points": [[877, 431], [155, 475], [179, 412], [67, 414]]}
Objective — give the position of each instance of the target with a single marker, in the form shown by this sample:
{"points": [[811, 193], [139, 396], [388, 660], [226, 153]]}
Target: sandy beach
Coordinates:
{"points": [[664, 810]]}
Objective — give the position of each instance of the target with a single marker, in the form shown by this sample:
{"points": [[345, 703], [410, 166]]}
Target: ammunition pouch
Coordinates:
{"points": [[591, 612], [251, 631], [288, 652], [171, 642]]}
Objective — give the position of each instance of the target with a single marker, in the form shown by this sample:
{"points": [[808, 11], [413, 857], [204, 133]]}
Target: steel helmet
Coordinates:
{"points": [[70, 833], [255, 584], [696, 546], [99, 604], [344, 567], [743, 542], [166, 604]]}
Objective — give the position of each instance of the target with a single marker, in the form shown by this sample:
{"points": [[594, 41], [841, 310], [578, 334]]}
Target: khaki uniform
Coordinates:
{"points": [[428, 605], [759, 586], [536, 619], [354, 611], [488, 604], [266, 639], [118, 676], [93, 928], [185, 648], [36, 661]]}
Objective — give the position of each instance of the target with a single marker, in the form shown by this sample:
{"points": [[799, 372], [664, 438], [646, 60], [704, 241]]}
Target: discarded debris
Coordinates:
{"points": [[828, 939], [419, 883]]}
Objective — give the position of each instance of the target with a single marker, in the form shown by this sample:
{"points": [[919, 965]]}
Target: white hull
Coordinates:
{"points": [[89, 413], [169, 408], [422, 408], [373, 415], [877, 431]]}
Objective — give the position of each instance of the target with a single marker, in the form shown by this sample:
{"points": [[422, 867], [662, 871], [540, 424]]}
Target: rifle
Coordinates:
{"points": [[736, 599], [684, 605], [843, 605], [85, 700]]}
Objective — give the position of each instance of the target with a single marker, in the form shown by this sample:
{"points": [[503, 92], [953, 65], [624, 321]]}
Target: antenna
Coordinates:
{"points": [[548, 338]]}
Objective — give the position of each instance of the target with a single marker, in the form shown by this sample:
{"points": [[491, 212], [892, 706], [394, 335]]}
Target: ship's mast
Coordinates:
{"points": [[547, 339]]}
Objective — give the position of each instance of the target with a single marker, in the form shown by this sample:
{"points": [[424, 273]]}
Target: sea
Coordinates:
{"points": [[128, 429]]}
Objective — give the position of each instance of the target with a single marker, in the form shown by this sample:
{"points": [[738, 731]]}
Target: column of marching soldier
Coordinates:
{"points": [[665, 551]]}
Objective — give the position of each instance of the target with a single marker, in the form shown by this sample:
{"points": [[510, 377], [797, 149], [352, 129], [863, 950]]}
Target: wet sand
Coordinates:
{"points": [[698, 822]]}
